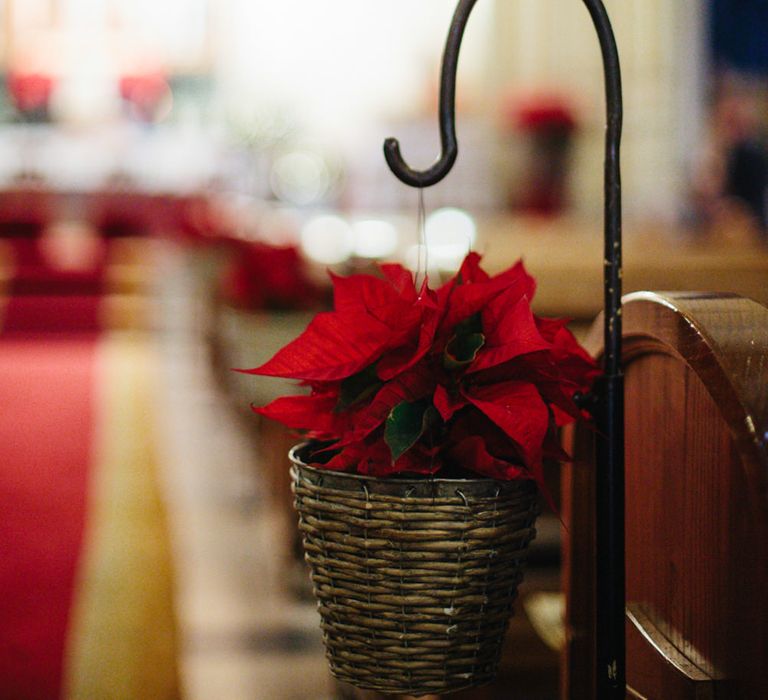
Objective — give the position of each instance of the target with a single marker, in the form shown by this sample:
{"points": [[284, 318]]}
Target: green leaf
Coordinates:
{"points": [[473, 324], [405, 424], [461, 350], [358, 387]]}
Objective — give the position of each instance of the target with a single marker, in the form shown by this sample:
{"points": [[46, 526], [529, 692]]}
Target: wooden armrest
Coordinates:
{"points": [[653, 655]]}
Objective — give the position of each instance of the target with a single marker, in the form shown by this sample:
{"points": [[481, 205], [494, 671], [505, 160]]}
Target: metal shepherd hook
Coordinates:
{"points": [[607, 404]]}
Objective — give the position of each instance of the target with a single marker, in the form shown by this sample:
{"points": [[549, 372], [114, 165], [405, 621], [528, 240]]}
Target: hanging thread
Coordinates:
{"points": [[422, 251]]}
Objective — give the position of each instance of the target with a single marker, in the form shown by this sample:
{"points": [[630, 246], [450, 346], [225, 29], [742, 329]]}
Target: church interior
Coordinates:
{"points": [[182, 185]]}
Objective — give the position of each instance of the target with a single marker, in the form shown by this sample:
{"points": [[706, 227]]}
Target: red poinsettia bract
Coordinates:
{"points": [[421, 381]]}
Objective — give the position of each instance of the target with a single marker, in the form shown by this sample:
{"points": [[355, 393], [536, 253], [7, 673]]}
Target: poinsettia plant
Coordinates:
{"points": [[407, 380]]}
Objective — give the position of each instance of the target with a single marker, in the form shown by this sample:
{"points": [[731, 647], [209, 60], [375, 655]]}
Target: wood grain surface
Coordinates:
{"points": [[696, 370]]}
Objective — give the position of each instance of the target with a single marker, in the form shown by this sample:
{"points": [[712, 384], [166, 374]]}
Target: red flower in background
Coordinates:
{"points": [[30, 91], [261, 276], [145, 92], [402, 380]]}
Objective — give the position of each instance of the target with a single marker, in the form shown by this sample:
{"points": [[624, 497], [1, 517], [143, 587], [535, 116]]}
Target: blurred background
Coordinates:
{"points": [[175, 179]]}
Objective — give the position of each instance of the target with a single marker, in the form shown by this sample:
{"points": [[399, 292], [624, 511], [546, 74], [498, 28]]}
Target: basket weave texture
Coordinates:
{"points": [[415, 579]]}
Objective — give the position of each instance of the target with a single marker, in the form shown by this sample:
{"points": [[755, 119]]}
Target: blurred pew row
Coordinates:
{"points": [[83, 261]]}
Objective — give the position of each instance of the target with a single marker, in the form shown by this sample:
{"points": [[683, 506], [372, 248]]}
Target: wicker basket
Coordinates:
{"points": [[415, 579]]}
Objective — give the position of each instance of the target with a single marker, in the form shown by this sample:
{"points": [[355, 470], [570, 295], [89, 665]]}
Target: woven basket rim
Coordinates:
{"points": [[428, 486]]}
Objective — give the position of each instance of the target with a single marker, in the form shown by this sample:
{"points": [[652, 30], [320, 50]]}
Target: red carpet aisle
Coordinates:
{"points": [[46, 432]]}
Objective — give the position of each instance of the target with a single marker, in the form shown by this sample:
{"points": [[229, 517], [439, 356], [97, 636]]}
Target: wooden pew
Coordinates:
{"points": [[697, 503]]}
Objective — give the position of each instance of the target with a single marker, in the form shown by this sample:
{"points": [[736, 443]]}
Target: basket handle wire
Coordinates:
{"points": [[606, 401]]}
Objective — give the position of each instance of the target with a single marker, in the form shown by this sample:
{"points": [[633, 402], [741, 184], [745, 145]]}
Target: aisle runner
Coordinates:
{"points": [[85, 575], [46, 430], [123, 633]]}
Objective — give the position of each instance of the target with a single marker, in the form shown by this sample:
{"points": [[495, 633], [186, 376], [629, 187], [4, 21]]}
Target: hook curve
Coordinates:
{"points": [[449, 145]]}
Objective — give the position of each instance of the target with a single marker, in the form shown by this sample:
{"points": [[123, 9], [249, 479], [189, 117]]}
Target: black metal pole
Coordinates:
{"points": [[610, 588], [608, 405]]}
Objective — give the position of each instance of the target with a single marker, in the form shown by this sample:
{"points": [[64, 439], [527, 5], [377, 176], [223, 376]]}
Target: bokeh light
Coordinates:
{"points": [[327, 239], [375, 239], [300, 178], [450, 235]]}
